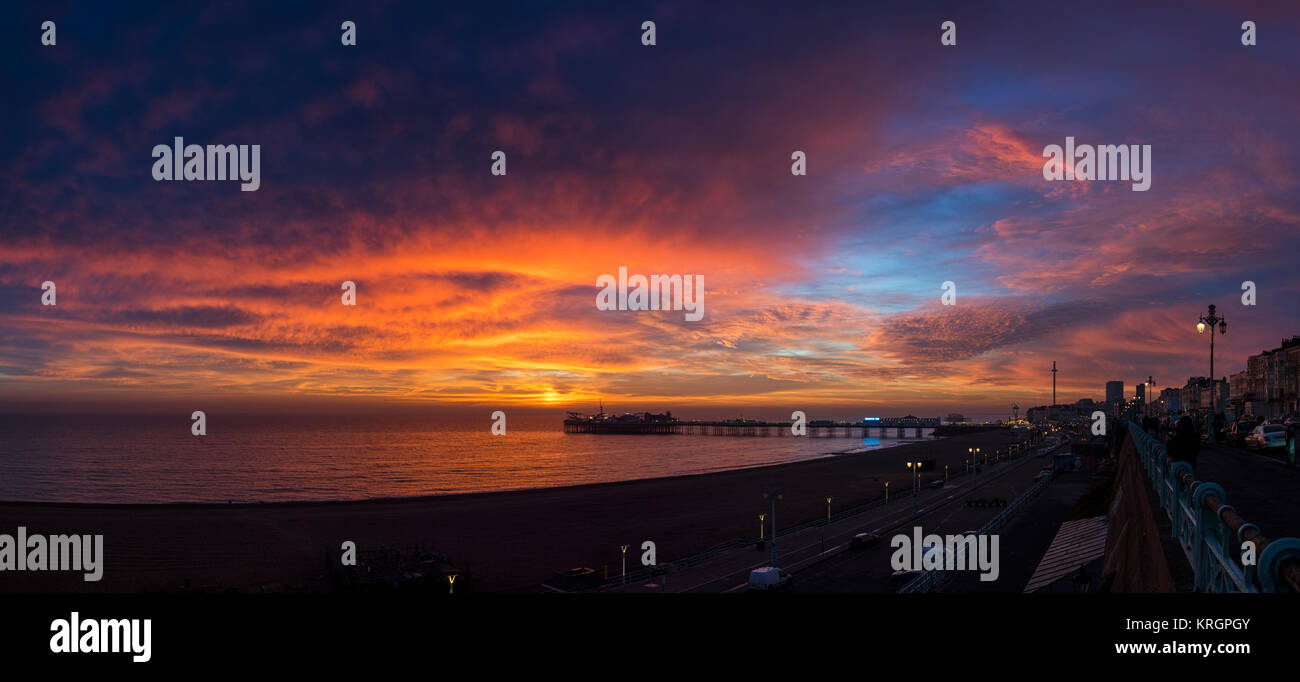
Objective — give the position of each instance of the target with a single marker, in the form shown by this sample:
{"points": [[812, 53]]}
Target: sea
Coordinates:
{"points": [[154, 458]]}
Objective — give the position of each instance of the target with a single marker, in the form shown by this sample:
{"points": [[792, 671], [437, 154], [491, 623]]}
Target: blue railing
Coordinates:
{"points": [[1211, 532]]}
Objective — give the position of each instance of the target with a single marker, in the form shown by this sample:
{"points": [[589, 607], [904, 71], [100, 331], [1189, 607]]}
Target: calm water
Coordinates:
{"points": [[136, 458]]}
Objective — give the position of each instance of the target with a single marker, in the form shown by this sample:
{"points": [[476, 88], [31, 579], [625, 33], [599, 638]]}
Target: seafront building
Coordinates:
{"points": [[1269, 387]]}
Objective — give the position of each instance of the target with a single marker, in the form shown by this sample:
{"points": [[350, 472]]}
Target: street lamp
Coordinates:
{"points": [[773, 495], [1151, 385], [916, 482], [886, 492], [760, 525], [828, 509], [1202, 323]]}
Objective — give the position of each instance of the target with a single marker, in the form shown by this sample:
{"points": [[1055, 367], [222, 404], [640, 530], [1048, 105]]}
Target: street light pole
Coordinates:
{"points": [[1151, 386], [1053, 383], [773, 496], [913, 468], [1210, 321]]}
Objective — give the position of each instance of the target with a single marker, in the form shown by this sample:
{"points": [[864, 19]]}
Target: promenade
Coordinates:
{"points": [[1259, 485]]}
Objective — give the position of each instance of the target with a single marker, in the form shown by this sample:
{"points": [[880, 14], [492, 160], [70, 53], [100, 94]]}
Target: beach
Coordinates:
{"points": [[508, 541]]}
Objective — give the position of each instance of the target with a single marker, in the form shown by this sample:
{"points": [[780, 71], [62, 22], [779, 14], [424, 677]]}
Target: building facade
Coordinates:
{"points": [[1270, 385], [1114, 392], [1196, 396], [1169, 401]]}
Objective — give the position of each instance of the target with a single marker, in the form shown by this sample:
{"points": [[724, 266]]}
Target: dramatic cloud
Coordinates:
{"points": [[924, 166]]}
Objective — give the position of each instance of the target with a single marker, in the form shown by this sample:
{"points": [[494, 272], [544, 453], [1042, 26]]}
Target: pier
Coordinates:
{"points": [[747, 427]]}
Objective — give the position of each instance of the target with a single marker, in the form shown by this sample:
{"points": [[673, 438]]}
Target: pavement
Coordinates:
{"points": [[1258, 484]]}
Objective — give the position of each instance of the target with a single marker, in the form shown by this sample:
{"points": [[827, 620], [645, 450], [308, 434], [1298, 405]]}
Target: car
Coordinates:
{"points": [[864, 540], [902, 577], [936, 484], [1267, 436], [1240, 429], [768, 578], [575, 579]]}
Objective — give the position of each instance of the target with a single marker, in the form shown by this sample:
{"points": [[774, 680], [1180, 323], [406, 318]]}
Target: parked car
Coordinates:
{"points": [[575, 579], [1239, 430], [864, 540], [936, 484], [768, 578], [1267, 436]]}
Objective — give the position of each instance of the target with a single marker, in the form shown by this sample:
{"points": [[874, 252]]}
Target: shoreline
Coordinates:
{"points": [[508, 540], [833, 454]]}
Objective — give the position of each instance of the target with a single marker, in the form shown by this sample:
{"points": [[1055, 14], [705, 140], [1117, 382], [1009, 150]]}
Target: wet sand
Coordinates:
{"points": [[509, 541]]}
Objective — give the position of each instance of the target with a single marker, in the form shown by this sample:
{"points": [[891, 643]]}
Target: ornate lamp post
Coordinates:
{"points": [[1210, 321]]}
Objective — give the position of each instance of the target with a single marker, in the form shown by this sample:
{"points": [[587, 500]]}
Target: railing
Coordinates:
{"points": [[1211, 532], [928, 580]]}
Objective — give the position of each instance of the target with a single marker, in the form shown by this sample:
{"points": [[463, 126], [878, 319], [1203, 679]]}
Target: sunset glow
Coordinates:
{"points": [[821, 290]]}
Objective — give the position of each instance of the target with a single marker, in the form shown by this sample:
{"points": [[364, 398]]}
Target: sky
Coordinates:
{"points": [[822, 291]]}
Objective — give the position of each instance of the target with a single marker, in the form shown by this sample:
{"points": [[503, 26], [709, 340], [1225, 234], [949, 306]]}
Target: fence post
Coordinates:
{"points": [[1207, 523], [1271, 559]]}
